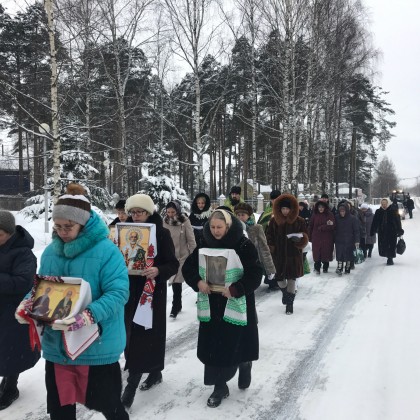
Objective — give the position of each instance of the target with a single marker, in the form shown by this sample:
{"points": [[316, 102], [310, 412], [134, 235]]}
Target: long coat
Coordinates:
{"points": [[387, 223], [257, 236], [221, 343], [184, 241], [347, 234], [370, 239], [17, 270], [287, 254], [145, 350], [321, 234]]}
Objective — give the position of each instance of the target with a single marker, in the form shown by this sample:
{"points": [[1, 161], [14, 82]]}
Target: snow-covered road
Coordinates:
{"points": [[349, 351]]}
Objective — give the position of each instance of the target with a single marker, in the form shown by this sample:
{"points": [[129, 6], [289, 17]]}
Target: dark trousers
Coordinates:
{"points": [[410, 212], [217, 375], [325, 265], [363, 247], [103, 393], [177, 296]]}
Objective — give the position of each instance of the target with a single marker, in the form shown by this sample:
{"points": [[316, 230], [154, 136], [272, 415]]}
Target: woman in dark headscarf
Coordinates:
{"points": [[200, 213]]}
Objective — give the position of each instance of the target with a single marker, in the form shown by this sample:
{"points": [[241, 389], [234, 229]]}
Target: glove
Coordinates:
{"points": [[271, 276], [74, 323], [295, 239], [357, 245], [21, 308]]}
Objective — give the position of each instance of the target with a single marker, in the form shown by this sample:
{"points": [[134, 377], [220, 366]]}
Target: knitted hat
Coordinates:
{"points": [[364, 206], [7, 222], [120, 205], [235, 190], [142, 201], [302, 204], [73, 205], [325, 196], [244, 208], [285, 203], [274, 194]]}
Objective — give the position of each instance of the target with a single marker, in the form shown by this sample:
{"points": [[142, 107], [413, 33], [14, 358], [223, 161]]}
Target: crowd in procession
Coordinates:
{"points": [[273, 247]]}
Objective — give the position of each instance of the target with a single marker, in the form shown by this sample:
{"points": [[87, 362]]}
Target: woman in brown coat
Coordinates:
{"points": [[286, 247], [182, 235]]}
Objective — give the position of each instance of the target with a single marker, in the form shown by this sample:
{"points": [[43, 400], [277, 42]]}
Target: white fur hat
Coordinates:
{"points": [[364, 206], [142, 201]]}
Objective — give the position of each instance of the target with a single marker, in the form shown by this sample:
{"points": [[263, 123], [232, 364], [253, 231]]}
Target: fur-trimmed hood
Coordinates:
{"points": [[294, 209], [232, 237], [318, 203]]}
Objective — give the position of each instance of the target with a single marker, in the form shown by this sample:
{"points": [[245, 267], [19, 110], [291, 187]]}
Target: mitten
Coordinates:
{"points": [[20, 310], [74, 323]]}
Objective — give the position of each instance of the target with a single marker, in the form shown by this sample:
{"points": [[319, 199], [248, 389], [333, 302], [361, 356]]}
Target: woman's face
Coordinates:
{"points": [[384, 204], [201, 202], [342, 211], [139, 215], [218, 228], [67, 230], [285, 211], [4, 237], [243, 217], [321, 209], [171, 212]]}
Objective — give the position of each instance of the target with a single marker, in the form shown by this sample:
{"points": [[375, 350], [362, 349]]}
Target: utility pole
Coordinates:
{"points": [[55, 132]]}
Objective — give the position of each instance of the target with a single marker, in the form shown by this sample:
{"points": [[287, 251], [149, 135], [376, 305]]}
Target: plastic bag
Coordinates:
{"points": [[400, 246], [358, 256], [306, 267]]}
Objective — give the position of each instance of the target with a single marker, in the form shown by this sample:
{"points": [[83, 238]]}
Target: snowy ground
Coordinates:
{"points": [[349, 351]]}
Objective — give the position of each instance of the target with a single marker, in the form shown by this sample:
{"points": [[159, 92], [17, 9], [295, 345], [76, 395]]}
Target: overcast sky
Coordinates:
{"points": [[396, 31], [395, 26]]}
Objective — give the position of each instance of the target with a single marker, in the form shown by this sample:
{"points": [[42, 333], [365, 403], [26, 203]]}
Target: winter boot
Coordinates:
{"points": [[284, 297], [289, 305], [339, 270], [325, 266], [389, 261], [352, 266], [133, 381], [244, 377], [317, 267], [10, 391], [220, 392], [176, 300], [272, 285], [369, 251], [153, 379], [348, 267]]}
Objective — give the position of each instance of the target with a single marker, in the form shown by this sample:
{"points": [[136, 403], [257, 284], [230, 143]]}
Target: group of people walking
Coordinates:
{"points": [[228, 333]]}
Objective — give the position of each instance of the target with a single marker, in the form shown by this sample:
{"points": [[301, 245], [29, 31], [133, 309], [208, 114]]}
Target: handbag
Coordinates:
{"points": [[358, 256], [400, 246]]}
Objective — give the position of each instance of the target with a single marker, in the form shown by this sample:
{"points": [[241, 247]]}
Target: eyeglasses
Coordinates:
{"points": [[137, 212], [65, 228]]}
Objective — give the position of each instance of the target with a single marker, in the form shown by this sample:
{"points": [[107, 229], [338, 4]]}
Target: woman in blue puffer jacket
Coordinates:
{"points": [[81, 248]]}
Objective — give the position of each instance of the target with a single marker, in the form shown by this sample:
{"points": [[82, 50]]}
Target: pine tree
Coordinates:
{"points": [[157, 181]]}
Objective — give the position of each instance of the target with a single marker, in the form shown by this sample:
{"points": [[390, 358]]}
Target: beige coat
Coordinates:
{"points": [[184, 241], [257, 236]]}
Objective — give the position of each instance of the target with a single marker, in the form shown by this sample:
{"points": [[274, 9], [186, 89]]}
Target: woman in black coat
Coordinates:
{"points": [[387, 224], [200, 213], [145, 349], [17, 269], [223, 345], [347, 237]]}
